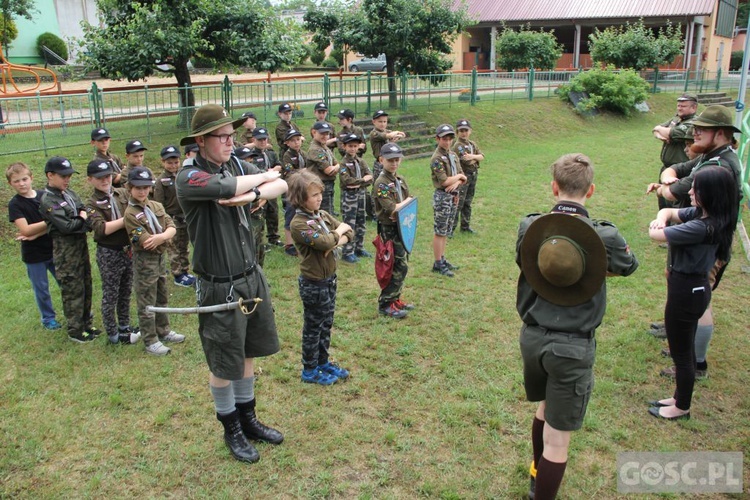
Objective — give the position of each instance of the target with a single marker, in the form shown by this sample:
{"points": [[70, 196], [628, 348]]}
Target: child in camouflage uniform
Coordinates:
{"points": [[149, 228], [469, 155], [355, 177], [317, 236], [100, 140], [292, 162], [105, 209], [67, 222]]}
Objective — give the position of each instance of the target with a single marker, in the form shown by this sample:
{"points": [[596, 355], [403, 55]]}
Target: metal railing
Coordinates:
{"points": [[45, 122]]}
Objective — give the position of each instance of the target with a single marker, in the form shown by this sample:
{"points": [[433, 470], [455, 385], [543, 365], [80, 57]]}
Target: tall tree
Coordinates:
{"points": [[415, 36], [8, 10], [636, 46], [138, 36], [526, 48]]}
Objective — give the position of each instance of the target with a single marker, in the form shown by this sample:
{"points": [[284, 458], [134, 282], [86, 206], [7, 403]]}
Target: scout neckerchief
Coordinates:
{"points": [[399, 192], [151, 220], [452, 161], [113, 203], [355, 160], [317, 218], [300, 159], [68, 199]]}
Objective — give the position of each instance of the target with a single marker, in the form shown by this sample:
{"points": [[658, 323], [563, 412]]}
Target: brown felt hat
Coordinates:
{"points": [[716, 116], [208, 118], [563, 259]]}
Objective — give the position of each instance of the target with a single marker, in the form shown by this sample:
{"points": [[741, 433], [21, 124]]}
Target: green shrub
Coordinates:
{"points": [[317, 57], [53, 43], [735, 62], [330, 62], [8, 30], [338, 56], [617, 91]]}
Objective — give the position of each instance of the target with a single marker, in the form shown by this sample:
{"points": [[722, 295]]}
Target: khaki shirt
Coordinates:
{"points": [[385, 196], [314, 235], [351, 171], [99, 212], [62, 218], [291, 162], [679, 129], [443, 164], [166, 194], [462, 148], [114, 162], [137, 227], [359, 132], [378, 139], [319, 157], [281, 130]]}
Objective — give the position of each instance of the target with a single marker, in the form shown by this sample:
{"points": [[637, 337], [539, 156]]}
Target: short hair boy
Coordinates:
{"points": [[101, 140], [322, 163], [389, 194], [292, 162], [67, 223], [469, 155], [346, 122], [105, 209], [165, 193], [447, 178], [355, 177], [285, 125], [135, 153], [150, 228], [246, 139], [320, 111], [561, 299], [380, 135], [36, 245], [266, 159]]}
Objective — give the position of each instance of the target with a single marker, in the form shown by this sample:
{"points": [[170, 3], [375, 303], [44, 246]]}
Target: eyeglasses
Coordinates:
{"points": [[223, 138]]}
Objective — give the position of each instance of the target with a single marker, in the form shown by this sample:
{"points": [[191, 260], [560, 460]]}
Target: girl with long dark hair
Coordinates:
{"points": [[701, 234]]}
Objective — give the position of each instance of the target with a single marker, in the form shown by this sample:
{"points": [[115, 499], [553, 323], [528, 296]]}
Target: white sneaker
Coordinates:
{"points": [[158, 349], [173, 337]]}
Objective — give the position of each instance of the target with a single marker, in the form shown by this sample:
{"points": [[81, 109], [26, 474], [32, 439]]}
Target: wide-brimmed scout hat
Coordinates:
{"points": [[716, 116], [208, 118], [563, 259]]}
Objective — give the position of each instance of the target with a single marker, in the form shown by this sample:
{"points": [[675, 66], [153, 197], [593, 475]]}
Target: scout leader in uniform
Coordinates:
{"points": [[215, 192], [564, 257]]}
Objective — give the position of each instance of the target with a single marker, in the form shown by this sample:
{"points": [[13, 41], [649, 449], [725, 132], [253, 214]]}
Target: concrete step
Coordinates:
{"points": [[710, 95], [418, 155]]}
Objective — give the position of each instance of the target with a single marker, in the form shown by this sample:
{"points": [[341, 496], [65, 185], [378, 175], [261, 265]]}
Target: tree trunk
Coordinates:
{"points": [[390, 72], [186, 97]]}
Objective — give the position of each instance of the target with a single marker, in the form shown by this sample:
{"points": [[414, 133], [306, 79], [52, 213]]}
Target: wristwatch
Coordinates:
{"points": [[256, 191]]}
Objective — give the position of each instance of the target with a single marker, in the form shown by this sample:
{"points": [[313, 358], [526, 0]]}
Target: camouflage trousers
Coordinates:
{"points": [[179, 253], [272, 220], [319, 303], [444, 206], [258, 225], [73, 268], [327, 203], [353, 213], [377, 168], [116, 270], [465, 197], [392, 290], [150, 285]]}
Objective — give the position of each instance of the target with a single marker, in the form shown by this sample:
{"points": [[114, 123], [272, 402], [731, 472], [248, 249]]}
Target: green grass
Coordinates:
{"points": [[435, 407]]}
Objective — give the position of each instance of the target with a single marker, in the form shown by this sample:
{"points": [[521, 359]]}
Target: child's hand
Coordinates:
{"points": [[153, 241], [331, 170]]}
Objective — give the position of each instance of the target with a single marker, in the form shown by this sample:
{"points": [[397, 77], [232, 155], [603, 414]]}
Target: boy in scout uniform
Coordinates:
{"points": [[379, 135], [106, 209], [246, 139], [320, 160], [346, 122], [150, 228], [67, 222], [166, 194], [321, 113], [266, 159], [135, 152], [447, 179], [215, 192], [292, 162], [101, 140], [561, 299], [389, 194], [355, 177], [284, 126], [469, 155]]}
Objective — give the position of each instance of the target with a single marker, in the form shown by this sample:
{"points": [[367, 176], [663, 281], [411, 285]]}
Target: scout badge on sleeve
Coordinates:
{"points": [[383, 261], [407, 224], [563, 259]]}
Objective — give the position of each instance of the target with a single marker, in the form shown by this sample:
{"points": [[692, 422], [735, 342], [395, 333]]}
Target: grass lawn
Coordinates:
{"points": [[435, 407]]}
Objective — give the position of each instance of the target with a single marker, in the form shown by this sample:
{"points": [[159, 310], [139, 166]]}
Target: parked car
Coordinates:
{"points": [[368, 64]]}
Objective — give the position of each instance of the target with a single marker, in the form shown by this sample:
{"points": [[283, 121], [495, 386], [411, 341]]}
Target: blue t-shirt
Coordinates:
{"points": [[39, 249], [690, 243]]}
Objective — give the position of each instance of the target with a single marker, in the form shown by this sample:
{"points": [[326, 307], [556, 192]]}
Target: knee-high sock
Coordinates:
{"points": [[223, 399], [244, 389], [537, 440], [549, 476]]}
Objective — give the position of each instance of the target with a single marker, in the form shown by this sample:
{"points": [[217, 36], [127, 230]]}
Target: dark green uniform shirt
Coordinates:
{"points": [[359, 132], [61, 214], [724, 156], [114, 162], [99, 211], [388, 191], [586, 317], [319, 157], [351, 172], [137, 227], [291, 162], [166, 194], [443, 164], [679, 129], [314, 235], [462, 148], [281, 130], [378, 139]]}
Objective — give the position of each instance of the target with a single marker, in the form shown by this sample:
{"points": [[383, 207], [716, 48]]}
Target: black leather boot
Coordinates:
{"points": [[236, 441], [253, 428]]}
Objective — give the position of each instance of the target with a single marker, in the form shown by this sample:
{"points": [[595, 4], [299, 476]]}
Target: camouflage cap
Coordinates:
{"points": [[716, 116], [208, 118]]}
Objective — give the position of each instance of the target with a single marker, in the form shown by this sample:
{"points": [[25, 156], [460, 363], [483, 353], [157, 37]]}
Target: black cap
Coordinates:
{"points": [[242, 152], [169, 152], [391, 150], [191, 148], [379, 113], [248, 114], [346, 113], [260, 133], [284, 107], [59, 165], [321, 106], [133, 146], [99, 134], [292, 133], [444, 130], [350, 138], [463, 124], [322, 127], [140, 176], [99, 168]]}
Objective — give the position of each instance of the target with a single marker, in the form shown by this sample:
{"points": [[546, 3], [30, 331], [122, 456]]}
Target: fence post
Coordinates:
{"points": [[369, 92], [531, 83], [326, 89], [718, 79], [687, 80], [473, 99], [93, 98], [226, 94], [404, 86], [656, 80], [148, 115]]}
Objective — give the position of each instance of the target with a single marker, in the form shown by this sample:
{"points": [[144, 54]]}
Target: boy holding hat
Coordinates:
{"points": [[134, 154], [564, 257], [320, 160], [215, 193], [284, 126], [166, 194], [469, 155], [447, 179], [106, 209], [150, 229], [346, 122], [265, 158], [101, 140], [67, 225], [355, 177]]}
